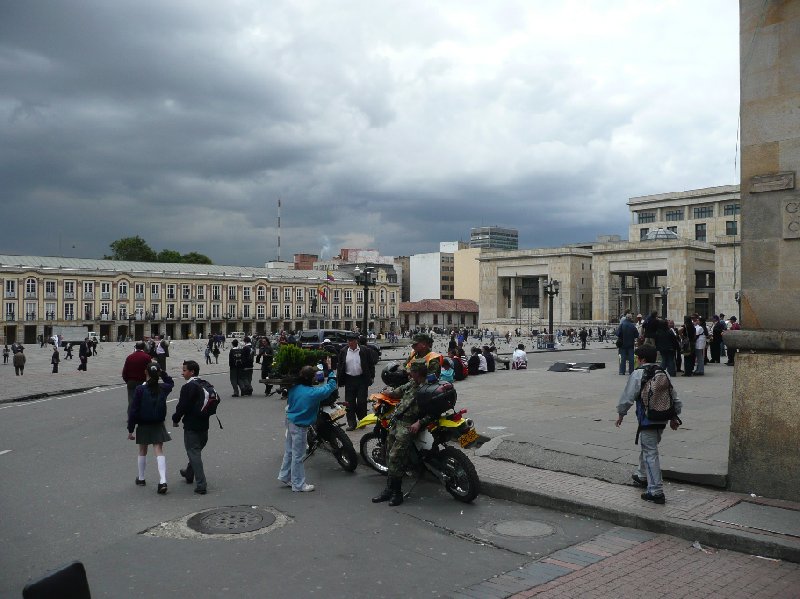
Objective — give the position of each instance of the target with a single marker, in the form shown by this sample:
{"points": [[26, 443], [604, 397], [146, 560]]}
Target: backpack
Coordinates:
{"points": [[238, 359], [658, 401], [211, 400], [152, 408]]}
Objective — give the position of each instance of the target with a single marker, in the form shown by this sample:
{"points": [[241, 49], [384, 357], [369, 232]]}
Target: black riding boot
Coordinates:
{"points": [[386, 494], [397, 492]]}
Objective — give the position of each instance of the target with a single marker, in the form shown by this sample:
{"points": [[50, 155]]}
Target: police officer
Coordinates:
{"points": [[421, 345], [405, 424]]}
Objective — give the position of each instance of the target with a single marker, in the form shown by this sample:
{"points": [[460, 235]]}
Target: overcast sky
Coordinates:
{"points": [[381, 124]]}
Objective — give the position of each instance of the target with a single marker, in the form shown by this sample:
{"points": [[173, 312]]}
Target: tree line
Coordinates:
{"points": [[137, 249]]}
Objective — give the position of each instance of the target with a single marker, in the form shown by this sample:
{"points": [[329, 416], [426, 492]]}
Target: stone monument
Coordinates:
{"points": [[764, 453]]}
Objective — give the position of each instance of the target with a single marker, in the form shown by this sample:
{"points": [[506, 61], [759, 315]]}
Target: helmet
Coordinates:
{"points": [[393, 375]]}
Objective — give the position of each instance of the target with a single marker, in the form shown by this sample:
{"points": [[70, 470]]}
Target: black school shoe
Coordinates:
{"points": [[162, 488], [659, 499], [189, 478], [140, 482], [639, 481]]}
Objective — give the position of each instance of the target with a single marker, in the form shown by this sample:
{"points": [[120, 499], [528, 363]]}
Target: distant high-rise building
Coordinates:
{"points": [[499, 238]]}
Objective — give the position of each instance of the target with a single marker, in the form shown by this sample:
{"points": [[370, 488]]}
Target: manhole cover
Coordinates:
{"points": [[522, 528], [231, 520]]}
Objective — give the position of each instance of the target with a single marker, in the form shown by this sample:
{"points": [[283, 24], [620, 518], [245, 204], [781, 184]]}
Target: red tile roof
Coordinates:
{"points": [[440, 305]]}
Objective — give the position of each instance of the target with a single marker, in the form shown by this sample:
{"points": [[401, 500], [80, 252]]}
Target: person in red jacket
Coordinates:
{"points": [[134, 371]]}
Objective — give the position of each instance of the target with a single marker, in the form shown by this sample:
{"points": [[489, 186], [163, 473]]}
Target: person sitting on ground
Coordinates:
{"points": [[519, 359], [477, 362], [496, 357], [487, 354], [447, 375], [648, 474], [460, 371]]}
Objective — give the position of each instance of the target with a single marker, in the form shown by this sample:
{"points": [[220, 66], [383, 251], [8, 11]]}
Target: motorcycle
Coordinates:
{"points": [[430, 450], [327, 433]]}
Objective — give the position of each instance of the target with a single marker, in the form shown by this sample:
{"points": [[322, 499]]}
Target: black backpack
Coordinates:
{"points": [[152, 407], [208, 407], [238, 359]]}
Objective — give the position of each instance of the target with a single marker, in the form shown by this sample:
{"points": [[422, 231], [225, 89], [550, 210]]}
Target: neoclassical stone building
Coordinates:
{"points": [[684, 257], [119, 299]]}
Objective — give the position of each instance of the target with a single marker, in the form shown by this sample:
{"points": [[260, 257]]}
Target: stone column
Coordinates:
{"points": [[512, 312], [764, 453]]}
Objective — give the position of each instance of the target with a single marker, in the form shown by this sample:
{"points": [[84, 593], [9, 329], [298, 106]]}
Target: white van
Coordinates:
{"points": [[236, 335], [93, 336]]}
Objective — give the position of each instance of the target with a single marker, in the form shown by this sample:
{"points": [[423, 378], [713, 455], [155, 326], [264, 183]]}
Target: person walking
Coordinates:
{"points": [[19, 361], [355, 371], [195, 426], [301, 412], [162, 353], [247, 367], [236, 363], [134, 370], [627, 334], [583, 335], [83, 354], [207, 354], [699, 344], [215, 351], [147, 414], [55, 359], [648, 474], [6, 353]]}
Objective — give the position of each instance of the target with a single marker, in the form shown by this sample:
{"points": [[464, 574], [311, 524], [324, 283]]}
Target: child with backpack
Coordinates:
{"points": [[657, 404], [147, 413]]}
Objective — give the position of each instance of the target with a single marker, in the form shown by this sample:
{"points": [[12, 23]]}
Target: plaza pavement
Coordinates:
{"points": [[553, 442]]}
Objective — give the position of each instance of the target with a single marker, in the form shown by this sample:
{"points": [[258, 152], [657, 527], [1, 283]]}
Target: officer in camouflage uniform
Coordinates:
{"points": [[405, 423], [421, 345]]}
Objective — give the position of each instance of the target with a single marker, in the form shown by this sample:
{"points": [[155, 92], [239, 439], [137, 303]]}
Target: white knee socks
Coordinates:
{"points": [[142, 464], [162, 468]]}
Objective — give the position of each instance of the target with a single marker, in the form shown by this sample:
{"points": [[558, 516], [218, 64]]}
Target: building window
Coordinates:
{"points": [[171, 292], [11, 288], [676, 214], [123, 312], [274, 310], [261, 312], [200, 311], [30, 287], [246, 311], [298, 311], [246, 291], [336, 296], [88, 310], [673, 229], [201, 292], [359, 297], [50, 311], [700, 232], [50, 288], [731, 227], [348, 311], [299, 294], [122, 289], [336, 311], [11, 311], [732, 209], [154, 311], [643, 232], [647, 217], [359, 311], [392, 297], [139, 290], [185, 310], [69, 289], [170, 310], [287, 294], [155, 290], [348, 296], [216, 293], [231, 311], [186, 292], [231, 292], [287, 311], [703, 212], [274, 294], [216, 311], [69, 311]]}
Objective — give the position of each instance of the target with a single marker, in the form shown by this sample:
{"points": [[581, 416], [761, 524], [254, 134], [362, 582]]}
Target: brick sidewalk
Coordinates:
{"points": [[687, 514], [631, 563]]}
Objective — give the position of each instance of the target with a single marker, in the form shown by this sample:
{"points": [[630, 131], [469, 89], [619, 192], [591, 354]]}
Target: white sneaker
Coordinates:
{"points": [[304, 489]]}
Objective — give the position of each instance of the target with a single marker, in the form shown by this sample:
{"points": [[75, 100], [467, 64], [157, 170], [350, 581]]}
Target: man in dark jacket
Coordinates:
{"points": [[626, 335], [665, 345], [355, 372], [133, 371], [195, 426], [236, 362], [84, 351]]}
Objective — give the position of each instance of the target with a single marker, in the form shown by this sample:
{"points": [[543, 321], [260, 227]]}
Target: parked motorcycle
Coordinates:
{"points": [[327, 433], [430, 450]]}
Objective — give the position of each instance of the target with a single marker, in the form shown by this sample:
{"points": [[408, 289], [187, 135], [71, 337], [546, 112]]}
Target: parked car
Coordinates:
{"points": [[313, 339]]}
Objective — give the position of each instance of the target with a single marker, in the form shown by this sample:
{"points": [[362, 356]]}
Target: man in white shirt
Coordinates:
{"points": [[355, 371]]}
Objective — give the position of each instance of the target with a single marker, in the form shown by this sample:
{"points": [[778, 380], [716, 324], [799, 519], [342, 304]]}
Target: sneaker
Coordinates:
{"points": [[162, 488], [140, 482], [639, 481], [306, 488], [660, 499]]}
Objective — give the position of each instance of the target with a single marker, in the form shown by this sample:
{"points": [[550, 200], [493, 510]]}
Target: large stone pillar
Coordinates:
{"points": [[765, 426]]}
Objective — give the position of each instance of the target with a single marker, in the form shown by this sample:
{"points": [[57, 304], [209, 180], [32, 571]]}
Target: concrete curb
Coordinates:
{"points": [[45, 394], [721, 538]]}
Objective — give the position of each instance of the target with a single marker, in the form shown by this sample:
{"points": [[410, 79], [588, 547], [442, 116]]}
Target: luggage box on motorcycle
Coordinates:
{"points": [[436, 398]]}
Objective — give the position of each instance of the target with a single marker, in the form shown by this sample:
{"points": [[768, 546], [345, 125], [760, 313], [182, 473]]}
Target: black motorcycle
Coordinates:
{"points": [[327, 433]]}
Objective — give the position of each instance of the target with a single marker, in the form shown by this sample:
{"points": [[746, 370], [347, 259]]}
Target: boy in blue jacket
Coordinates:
{"points": [[301, 412], [648, 474]]}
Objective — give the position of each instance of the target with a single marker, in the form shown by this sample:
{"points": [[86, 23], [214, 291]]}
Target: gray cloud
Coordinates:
{"points": [[384, 124]]}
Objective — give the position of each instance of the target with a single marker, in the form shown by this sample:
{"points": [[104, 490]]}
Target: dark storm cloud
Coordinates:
{"points": [[390, 125]]}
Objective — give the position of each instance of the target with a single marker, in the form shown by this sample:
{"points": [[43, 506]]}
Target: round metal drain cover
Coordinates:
{"points": [[231, 520], [522, 528]]}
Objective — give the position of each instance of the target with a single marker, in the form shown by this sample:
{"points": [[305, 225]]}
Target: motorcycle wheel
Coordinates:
{"points": [[343, 450], [374, 452], [464, 484]]}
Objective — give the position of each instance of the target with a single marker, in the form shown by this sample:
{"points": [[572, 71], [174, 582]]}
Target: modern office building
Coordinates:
{"points": [[497, 238]]}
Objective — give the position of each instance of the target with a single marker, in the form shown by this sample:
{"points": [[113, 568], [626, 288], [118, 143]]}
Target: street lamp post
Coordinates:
{"points": [[551, 290], [365, 277], [664, 291]]}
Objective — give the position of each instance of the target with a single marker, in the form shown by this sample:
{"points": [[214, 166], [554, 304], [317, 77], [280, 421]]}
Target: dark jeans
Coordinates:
{"points": [[195, 441], [688, 364], [731, 355], [626, 357], [715, 351], [131, 389], [355, 394], [668, 362], [84, 362], [238, 381]]}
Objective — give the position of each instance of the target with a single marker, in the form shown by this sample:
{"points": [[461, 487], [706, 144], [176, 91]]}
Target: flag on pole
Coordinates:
{"points": [[329, 275], [322, 294]]}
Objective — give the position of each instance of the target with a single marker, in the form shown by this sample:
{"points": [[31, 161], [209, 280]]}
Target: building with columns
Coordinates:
{"points": [[684, 258], [120, 299]]}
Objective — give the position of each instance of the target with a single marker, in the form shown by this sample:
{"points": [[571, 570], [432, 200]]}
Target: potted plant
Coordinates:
{"points": [[288, 361]]}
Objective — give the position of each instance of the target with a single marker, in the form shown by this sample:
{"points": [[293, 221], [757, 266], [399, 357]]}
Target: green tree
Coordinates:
{"points": [[131, 248], [195, 258], [169, 256]]}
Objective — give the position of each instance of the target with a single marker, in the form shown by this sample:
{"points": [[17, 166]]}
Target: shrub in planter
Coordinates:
{"points": [[289, 359]]}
